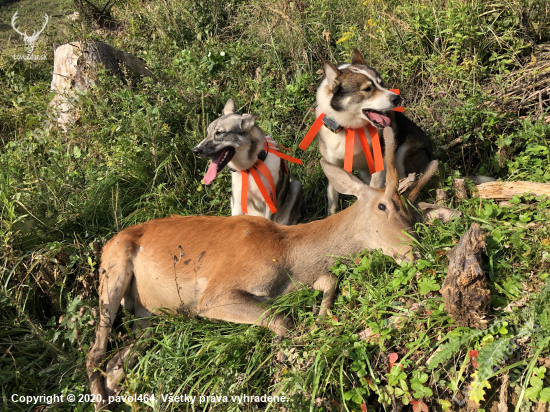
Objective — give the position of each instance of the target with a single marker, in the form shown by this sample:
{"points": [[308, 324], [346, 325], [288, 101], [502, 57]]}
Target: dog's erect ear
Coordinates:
{"points": [[356, 57], [332, 75], [248, 121], [229, 107]]}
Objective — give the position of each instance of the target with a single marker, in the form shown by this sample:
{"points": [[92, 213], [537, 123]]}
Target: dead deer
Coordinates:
{"points": [[231, 268]]}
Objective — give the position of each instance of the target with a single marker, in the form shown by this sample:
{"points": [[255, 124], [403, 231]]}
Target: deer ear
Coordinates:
{"points": [[229, 107], [344, 182], [332, 74], [248, 121], [356, 57]]}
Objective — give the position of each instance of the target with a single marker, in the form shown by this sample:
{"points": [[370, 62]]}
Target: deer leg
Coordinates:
{"points": [[114, 283], [327, 284], [127, 356], [240, 306]]}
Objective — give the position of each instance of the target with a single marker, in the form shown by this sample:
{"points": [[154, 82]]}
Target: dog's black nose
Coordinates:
{"points": [[197, 151], [395, 99]]}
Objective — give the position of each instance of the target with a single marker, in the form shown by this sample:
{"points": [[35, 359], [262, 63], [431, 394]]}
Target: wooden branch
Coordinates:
{"points": [[507, 190], [451, 144], [408, 183]]}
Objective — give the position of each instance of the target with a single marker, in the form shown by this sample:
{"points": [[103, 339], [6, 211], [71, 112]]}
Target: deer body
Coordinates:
{"points": [[183, 275], [230, 268]]}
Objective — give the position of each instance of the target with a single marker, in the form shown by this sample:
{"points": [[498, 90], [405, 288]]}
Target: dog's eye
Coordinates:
{"points": [[368, 89], [381, 206]]}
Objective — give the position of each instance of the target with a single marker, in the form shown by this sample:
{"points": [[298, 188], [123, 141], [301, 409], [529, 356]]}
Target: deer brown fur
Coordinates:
{"points": [[230, 268]]}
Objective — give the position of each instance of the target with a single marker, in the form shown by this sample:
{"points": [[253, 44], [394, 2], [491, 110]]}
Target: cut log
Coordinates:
{"points": [[73, 72], [507, 190], [465, 290]]}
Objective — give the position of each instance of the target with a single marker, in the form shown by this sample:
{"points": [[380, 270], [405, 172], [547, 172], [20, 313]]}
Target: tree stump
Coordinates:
{"points": [[74, 68], [441, 197], [465, 290], [460, 190]]}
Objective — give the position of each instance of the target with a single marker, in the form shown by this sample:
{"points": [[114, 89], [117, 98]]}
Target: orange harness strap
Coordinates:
{"points": [[348, 154], [260, 184], [377, 165], [262, 188], [276, 152], [270, 148], [366, 149], [260, 167], [376, 148], [312, 132]]}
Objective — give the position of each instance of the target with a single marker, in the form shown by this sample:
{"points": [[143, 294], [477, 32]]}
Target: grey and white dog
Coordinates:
{"points": [[236, 141]]}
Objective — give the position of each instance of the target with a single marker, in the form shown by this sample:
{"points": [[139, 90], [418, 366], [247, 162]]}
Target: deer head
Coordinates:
{"points": [[29, 40], [383, 215]]}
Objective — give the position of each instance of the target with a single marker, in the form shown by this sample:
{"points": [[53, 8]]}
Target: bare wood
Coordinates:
{"points": [[507, 190], [465, 288], [451, 144], [408, 183], [460, 190], [441, 196], [503, 396]]}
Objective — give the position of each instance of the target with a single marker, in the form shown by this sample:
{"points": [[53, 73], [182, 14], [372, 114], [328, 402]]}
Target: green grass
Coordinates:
{"points": [[128, 160]]}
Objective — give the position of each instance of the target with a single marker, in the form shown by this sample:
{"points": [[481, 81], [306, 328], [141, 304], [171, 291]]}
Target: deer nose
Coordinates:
{"points": [[395, 99]]}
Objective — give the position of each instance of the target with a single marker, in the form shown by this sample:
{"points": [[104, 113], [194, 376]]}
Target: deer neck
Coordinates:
{"points": [[317, 243]]}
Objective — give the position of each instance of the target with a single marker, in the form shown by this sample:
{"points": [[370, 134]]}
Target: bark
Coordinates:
{"points": [[465, 288]]}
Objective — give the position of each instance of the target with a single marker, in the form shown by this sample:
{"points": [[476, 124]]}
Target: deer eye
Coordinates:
{"points": [[381, 206]]}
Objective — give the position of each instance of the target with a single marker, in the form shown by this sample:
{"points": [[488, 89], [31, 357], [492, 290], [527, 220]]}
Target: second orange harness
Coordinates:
{"points": [[260, 168], [376, 164]]}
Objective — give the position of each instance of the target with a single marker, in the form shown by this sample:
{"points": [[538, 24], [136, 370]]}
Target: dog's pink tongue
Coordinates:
{"points": [[380, 118], [212, 169]]}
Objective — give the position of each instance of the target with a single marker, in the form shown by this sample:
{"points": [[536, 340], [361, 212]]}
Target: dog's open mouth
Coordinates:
{"points": [[219, 161], [379, 119]]}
